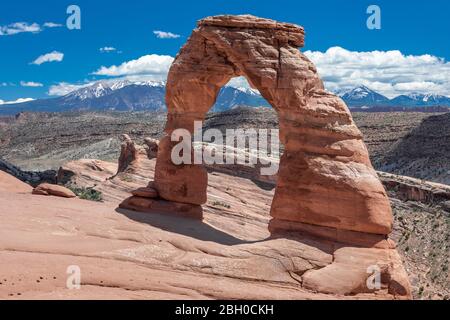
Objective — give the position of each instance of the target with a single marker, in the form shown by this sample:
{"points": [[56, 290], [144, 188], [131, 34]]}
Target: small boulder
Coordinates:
{"points": [[46, 189]]}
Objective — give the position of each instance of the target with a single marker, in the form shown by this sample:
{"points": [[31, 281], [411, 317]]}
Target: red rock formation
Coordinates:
{"points": [[131, 153], [325, 177], [128, 153]]}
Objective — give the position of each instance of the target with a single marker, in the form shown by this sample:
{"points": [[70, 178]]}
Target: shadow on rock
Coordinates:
{"points": [[185, 226]]}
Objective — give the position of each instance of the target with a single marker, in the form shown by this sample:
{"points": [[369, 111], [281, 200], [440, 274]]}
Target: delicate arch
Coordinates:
{"points": [[326, 183]]}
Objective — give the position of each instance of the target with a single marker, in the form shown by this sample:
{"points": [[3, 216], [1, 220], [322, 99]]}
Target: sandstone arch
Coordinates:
{"points": [[326, 183]]}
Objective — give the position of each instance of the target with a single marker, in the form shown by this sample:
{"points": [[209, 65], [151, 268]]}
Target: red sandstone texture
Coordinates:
{"points": [[11, 184]]}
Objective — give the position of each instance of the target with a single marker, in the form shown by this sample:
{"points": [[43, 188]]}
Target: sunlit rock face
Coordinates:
{"points": [[325, 177]]}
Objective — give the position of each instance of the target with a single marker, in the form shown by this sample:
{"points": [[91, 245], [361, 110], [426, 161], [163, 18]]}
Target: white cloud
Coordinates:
{"points": [[165, 35], [25, 27], [49, 57], [150, 65], [63, 88], [19, 27], [31, 84], [20, 100], [107, 49], [52, 25], [389, 72]]}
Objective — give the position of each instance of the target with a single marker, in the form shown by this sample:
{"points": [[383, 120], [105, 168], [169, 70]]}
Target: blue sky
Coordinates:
{"points": [[409, 53]]}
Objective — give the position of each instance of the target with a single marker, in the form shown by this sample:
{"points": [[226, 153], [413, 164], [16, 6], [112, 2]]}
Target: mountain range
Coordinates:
{"points": [[150, 95], [363, 96]]}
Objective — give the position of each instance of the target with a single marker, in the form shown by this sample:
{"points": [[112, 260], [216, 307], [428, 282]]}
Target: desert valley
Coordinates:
{"points": [[80, 156]]}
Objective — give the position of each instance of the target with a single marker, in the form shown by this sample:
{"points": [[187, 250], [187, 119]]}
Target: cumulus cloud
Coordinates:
{"points": [[49, 57], [31, 84], [150, 65], [26, 27], [107, 49], [165, 35], [19, 27], [20, 100], [389, 72]]}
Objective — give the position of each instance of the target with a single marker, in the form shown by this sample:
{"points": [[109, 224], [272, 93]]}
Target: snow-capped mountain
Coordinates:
{"points": [[150, 95], [420, 99], [103, 88], [230, 97], [362, 96], [129, 96]]}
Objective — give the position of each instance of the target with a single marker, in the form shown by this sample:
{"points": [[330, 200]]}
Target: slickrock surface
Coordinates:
{"points": [[11, 184], [126, 254], [325, 177]]}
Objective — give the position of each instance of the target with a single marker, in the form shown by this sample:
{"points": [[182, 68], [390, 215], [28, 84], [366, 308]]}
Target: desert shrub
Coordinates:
{"points": [[87, 193]]}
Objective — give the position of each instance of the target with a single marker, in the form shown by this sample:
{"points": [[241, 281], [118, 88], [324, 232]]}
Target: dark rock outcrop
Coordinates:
{"points": [[33, 178]]}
